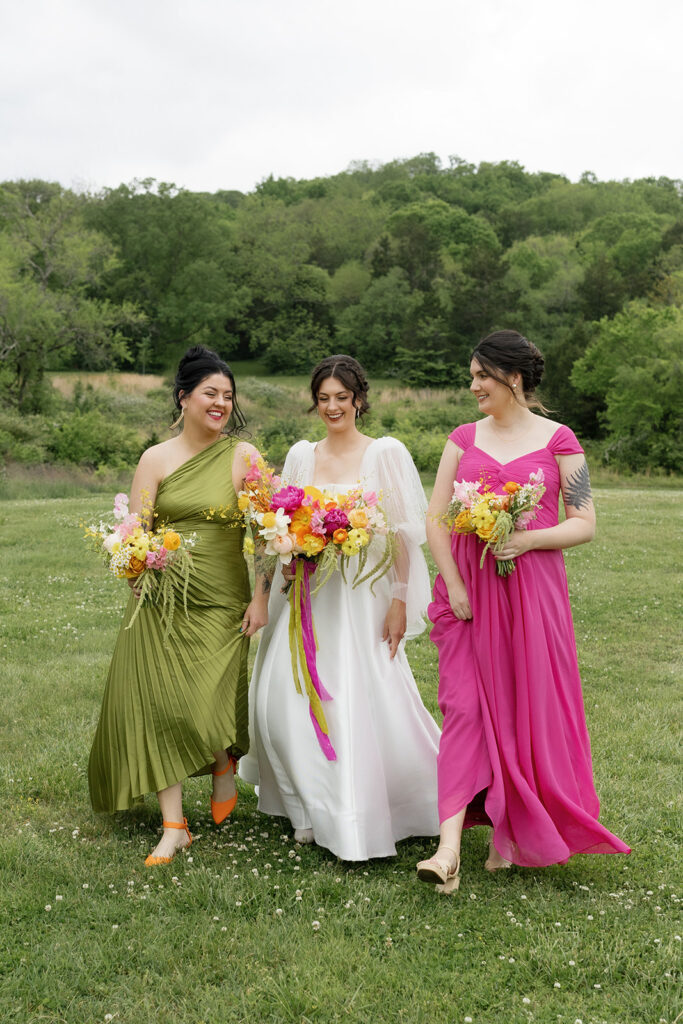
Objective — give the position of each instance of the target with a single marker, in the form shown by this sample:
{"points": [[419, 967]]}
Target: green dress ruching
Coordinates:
{"points": [[168, 706]]}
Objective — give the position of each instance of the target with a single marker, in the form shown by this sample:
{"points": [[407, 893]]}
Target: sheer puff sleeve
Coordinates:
{"points": [[389, 469]]}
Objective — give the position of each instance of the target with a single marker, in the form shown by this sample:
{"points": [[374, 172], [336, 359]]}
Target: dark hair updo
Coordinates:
{"points": [[349, 372], [505, 352], [197, 364]]}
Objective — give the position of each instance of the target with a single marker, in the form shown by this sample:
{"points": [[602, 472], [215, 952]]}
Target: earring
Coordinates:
{"points": [[514, 386], [179, 420], [357, 414]]}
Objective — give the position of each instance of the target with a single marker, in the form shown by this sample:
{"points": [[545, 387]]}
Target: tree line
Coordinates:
{"points": [[405, 265]]}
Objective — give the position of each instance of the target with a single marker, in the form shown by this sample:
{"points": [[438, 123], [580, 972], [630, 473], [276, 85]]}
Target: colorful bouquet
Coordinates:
{"points": [[159, 560], [494, 517], [322, 532]]}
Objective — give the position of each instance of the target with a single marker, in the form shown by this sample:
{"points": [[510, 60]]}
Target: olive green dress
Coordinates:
{"points": [[168, 707]]}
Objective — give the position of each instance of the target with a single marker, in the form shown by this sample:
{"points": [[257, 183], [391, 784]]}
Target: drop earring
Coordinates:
{"points": [[179, 420]]}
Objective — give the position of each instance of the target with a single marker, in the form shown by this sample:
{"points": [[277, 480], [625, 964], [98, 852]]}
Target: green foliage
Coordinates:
{"points": [[50, 267], [634, 367], [405, 265], [89, 439]]}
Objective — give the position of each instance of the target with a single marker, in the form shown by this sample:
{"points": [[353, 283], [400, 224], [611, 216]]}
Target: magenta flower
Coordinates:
{"points": [[335, 519], [289, 499]]}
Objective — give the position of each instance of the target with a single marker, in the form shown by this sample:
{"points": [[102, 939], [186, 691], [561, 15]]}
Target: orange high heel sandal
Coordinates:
{"points": [[440, 871], [220, 809], [152, 861]]}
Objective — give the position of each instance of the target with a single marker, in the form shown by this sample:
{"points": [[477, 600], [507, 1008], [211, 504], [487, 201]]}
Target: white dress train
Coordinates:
{"points": [[382, 787]]}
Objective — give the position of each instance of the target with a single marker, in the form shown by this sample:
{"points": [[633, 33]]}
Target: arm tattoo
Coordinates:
{"points": [[578, 488], [264, 565]]}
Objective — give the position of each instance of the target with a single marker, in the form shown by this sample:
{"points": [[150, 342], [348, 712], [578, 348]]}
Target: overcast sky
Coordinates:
{"points": [[218, 94]]}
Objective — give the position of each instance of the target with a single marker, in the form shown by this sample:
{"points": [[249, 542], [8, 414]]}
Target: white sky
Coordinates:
{"points": [[218, 94]]}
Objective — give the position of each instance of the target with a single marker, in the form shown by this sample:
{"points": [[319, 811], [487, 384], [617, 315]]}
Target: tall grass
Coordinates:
{"points": [[250, 928]]}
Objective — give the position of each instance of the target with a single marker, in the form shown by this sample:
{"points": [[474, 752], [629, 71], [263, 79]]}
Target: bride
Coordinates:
{"points": [[382, 786]]}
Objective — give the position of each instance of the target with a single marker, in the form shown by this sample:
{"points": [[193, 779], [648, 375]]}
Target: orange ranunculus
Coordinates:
{"points": [[329, 505], [135, 567], [171, 540], [300, 518], [339, 536], [511, 486], [358, 518]]}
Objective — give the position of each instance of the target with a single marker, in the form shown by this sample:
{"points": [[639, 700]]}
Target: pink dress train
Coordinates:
{"points": [[515, 748]]}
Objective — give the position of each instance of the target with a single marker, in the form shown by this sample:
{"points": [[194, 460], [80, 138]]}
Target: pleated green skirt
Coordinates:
{"points": [[168, 706]]}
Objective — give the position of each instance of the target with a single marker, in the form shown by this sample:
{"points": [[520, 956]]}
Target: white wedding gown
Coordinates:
{"points": [[382, 787]]}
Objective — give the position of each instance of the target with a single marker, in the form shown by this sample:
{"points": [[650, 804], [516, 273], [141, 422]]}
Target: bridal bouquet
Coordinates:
{"points": [[321, 532], [494, 517], [306, 523], [159, 560]]}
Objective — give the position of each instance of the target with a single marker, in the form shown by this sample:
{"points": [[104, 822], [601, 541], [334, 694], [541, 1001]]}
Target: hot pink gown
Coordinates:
{"points": [[515, 748]]}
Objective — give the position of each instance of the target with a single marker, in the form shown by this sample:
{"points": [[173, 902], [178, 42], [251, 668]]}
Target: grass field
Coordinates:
{"points": [[251, 928]]}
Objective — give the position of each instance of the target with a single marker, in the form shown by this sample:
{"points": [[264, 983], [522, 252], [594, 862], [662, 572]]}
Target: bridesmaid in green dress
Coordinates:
{"points": [[178, 709]]}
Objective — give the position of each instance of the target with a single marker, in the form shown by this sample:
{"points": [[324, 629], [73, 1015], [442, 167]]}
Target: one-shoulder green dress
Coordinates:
{"points": [[168, 707]]}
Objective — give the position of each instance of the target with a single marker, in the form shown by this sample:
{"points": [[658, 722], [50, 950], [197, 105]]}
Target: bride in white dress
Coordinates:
{"points": [[382, 786]]}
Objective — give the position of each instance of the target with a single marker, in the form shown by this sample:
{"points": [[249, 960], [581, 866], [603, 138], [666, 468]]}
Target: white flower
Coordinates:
{"points": [[59, 898], [316, 926], [557, 985], [279, 520], [526, 1000], [48, 907]]}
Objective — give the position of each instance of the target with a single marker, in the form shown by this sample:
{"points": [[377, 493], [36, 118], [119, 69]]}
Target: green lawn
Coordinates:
{"points": [[249, 928]]}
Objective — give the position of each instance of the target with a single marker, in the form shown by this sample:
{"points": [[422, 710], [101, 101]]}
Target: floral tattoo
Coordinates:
{"points": [[578, 490]]}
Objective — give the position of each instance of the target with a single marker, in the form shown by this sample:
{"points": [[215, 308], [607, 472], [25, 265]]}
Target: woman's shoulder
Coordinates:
{"points": [[463, 436], [563, 440], [301, 447]]}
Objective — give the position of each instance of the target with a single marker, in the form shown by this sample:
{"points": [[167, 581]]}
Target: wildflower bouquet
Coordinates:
{"points": [[159, 560], [494, 517], [321, 532]]}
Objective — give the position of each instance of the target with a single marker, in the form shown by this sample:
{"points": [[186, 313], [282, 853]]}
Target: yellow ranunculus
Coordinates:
{"points": [[359, 537], [315, 493], [171, 540], [312, 544], [350, 547], [358, 518]]}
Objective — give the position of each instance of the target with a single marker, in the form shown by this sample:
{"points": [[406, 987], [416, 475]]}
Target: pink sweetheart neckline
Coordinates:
{"points": [[526, 455]]}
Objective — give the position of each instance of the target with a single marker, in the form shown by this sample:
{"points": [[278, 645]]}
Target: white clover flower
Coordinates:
{"points": [[316, 926], [48, 906]]}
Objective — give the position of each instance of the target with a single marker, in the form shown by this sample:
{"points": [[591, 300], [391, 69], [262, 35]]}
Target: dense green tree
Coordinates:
{"points": [[177, 263], [51, 266], [633, 366]]}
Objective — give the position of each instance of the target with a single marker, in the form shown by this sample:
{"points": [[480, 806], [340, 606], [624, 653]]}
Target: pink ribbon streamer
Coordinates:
{"points": [[310, 652]]}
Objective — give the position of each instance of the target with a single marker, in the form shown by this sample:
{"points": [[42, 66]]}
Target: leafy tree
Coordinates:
{"points": [[178, 264], [634, 367], [51, 265]]}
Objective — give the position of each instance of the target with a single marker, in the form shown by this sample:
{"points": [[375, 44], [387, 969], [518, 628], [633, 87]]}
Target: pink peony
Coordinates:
{"points": [[335, 519], [289, 499]]}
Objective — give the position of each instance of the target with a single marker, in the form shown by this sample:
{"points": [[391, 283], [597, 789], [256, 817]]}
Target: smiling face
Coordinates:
{"points": [[209, 404], [335, 405], [492, 395]]}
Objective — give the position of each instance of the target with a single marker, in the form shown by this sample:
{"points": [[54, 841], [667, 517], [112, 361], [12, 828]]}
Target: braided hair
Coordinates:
{"points": [[350, 373]]}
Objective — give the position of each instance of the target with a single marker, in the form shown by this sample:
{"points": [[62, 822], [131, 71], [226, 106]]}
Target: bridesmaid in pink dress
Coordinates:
{"points": [[514, 752]]}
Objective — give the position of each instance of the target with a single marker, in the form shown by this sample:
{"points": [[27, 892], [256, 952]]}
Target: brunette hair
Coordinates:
{"points": [[197, 364], [506, 352], [349, 372]]}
